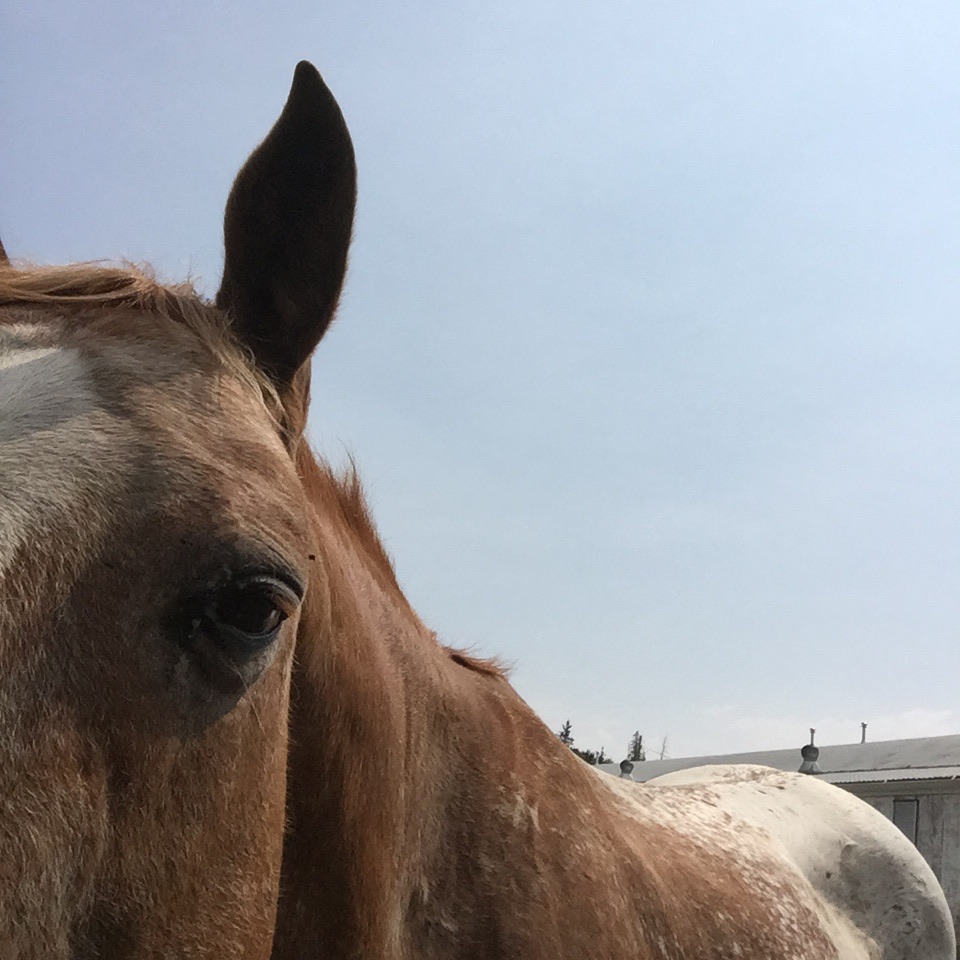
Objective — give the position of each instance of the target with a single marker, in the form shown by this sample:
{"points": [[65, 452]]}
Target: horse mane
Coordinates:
{"points": [[487, 666], [342, 495]]}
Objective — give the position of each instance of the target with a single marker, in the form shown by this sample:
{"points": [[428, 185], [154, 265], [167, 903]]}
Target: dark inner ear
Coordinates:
{"points": [[287, 229]]}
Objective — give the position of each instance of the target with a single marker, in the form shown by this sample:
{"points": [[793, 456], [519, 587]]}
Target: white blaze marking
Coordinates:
{"points": [[57, 448]]}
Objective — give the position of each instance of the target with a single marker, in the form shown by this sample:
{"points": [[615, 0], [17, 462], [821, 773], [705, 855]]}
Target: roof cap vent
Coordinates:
{"points": [[810, 753]]}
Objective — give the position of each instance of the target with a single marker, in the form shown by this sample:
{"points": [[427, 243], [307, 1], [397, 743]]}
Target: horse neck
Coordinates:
{"points": [[405, 760]]}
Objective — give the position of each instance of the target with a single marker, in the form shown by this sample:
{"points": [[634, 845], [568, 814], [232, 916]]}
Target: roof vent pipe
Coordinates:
{"points": [[810, 754], [863, 733]]}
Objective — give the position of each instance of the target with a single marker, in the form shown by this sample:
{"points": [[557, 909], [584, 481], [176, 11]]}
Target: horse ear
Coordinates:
{"points": [[4, 259], [287, 228]]}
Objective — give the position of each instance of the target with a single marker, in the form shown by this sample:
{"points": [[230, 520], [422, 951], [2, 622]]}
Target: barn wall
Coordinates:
{"points": [[938, 839], [949, 848]]}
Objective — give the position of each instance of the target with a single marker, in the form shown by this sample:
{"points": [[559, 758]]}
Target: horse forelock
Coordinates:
{"points": [[94, 287]]}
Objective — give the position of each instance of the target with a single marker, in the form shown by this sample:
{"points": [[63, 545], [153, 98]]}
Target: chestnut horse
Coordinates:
{"points": [[168, 539]]}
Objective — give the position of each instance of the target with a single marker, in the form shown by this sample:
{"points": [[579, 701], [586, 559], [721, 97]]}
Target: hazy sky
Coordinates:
{"points": [[649, 351]]}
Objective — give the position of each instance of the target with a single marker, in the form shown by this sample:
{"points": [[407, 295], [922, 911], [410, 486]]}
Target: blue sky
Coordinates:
{"points": [[649, 350]]}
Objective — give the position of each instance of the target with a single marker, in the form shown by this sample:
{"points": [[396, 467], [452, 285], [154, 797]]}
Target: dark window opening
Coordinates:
{"points": [[906, 813]]}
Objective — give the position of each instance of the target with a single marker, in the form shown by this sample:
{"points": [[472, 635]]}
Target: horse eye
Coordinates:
{"points": [[250, 613], [249, 609]]}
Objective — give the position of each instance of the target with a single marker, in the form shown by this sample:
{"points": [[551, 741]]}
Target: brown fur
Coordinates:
{"points": [[432, 815], [141, 810]]}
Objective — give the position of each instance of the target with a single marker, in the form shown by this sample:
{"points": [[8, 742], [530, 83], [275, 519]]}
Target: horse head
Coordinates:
{"points": [[154, 553]]}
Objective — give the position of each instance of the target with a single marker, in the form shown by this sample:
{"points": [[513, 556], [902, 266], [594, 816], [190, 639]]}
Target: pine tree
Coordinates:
{"points": [[635, 750], [565, 736]]}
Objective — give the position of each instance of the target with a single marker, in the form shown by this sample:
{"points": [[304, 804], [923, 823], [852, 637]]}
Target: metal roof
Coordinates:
{"points": [[920, 758]]}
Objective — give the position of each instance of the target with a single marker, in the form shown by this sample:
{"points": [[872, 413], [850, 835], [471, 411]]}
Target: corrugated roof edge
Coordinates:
{"points": [[886, 776]]}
